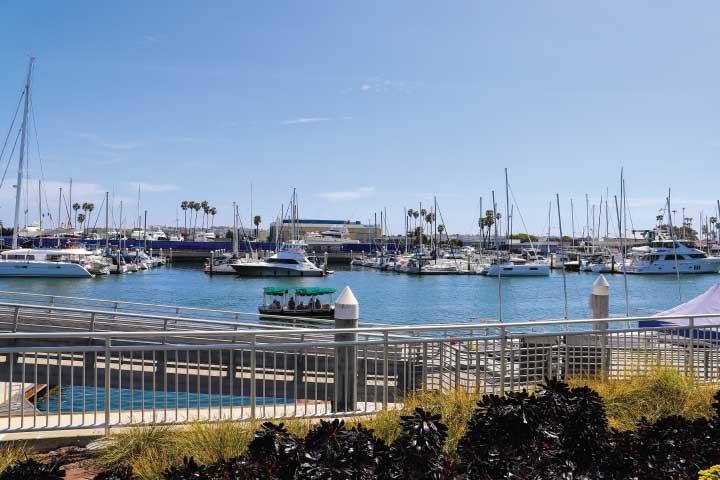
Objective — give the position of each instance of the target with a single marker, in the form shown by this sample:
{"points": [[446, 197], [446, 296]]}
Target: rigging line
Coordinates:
{"points": [[42, 172], [521, 217], [12, 152], [7, 137], [94, 227]]}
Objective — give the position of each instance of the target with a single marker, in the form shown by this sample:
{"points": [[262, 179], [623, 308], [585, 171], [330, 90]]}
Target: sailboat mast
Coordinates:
{"points": [[107, 221], [40, 210], [21, 163], [562, 251], [497, 259], [507, 213]]}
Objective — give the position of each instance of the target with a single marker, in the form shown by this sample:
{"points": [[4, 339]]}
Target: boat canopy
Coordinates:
{"points": [[275, 290], [707, 303], [305, 291]]}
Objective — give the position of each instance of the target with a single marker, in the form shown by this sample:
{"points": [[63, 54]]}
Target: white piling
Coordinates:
{"points": [[347, 313], [600, 301]]}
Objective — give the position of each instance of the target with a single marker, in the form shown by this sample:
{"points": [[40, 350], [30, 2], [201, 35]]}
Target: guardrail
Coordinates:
{"points": [[71, 368]]}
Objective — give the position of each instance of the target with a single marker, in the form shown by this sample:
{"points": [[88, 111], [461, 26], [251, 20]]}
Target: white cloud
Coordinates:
{"points": [[383, 85], [347, 195], [296, 121], [154, 187], [99, 142]]}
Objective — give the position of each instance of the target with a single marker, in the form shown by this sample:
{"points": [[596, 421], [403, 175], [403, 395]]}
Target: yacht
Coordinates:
{"points": [[329, 238], [663, 255], [515, 267], [290, 261], [45, 262]]}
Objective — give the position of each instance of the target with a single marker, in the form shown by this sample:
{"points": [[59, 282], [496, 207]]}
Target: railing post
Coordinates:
{"points": [[253, 376], [16, 318], [386, 365], [107, 386], [691, 348], [503, 365], [347, 313], [600, 304]]}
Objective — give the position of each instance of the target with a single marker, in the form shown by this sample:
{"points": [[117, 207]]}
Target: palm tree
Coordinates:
{"points": [[410, 213], [423, 213], [76, 207], [713, 221], [196, 206], [441, 229], [213, 211], [90, 208], [81, 219], [256, 222], [185, 205], [206, 209], [659, 218]]}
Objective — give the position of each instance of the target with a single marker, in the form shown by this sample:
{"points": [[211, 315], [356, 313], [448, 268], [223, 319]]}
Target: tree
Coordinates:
{"points": [[76, 207], [185, 205], [410, 213], [256, 222], [213, 211], [90, 208], [205, 206], [81, 219], [196, 206], [441, 229]]}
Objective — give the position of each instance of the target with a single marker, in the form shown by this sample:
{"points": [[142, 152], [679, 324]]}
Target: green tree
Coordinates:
{"points": [[81, 219], [185, 205], [76, 207], [256, 222], [213, 212]]}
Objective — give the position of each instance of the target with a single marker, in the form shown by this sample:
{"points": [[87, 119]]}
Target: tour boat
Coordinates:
{"points": [[290, 261], [298, 302]]}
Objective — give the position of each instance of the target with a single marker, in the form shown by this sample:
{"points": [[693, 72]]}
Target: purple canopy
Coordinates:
{"points": [[708, 302]]}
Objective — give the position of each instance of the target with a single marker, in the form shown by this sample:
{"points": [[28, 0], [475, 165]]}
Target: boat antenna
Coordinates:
{"points": [[672, 232], [562, 250], [497, 258], [23, 138]]}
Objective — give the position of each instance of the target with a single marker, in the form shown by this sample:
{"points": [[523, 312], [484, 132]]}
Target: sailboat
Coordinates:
{"points": [[505, 265], [37, 262]]}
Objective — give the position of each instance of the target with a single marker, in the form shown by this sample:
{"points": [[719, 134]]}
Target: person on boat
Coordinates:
{"points": [[276, 305], [301, 306], [291, 304], [318, 305]]}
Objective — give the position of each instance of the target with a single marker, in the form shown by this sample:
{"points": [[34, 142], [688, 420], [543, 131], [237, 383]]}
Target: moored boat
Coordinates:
{"points": [[315, 302]]}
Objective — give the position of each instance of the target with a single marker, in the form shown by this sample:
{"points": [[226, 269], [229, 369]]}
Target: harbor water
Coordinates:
{"points": [[386, 297]]}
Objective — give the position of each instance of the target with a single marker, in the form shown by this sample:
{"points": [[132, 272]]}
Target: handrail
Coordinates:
{"points": [[318, 331], [168, 307]]}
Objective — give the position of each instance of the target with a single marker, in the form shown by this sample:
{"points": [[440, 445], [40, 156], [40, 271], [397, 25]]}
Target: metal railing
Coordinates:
{"points": [[70, 368]]}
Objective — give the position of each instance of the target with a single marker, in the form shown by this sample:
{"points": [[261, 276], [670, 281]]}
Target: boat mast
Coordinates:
{"points": [[507, 214], [107, 221], [672, 232], [572, 220], [497, 258], [235, 232], [40, 242], [21, 163], [562, 250], [59, 224]]}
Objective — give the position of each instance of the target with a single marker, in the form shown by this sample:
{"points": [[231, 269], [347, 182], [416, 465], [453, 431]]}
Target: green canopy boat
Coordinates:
{"points": [[298, 302]]}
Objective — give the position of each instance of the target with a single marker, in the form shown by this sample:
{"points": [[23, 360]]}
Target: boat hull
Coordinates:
{"points": [[273, 271], [43, 270], [517, 271]]}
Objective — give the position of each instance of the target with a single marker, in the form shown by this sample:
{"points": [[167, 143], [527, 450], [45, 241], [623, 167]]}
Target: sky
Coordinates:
{"points": [[367, 106]]}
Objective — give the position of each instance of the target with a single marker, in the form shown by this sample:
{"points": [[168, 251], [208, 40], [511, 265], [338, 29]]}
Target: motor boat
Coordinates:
{"points": [[665, 255], [290, 261]]}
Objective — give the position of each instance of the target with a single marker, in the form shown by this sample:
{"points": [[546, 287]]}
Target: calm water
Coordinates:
{"points": [[383, 297], [89, 399]]}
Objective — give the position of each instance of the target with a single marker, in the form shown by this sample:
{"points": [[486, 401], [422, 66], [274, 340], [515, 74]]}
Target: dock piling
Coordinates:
{"points": [[347, 313]]}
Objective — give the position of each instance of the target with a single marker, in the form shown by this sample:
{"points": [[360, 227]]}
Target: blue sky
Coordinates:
{"points": [[369, 105]]}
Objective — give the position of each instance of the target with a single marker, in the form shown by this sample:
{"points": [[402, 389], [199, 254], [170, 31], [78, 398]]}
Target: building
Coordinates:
{"points": [[353, 230]]}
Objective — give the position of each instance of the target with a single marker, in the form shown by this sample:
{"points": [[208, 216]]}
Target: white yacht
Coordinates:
{"points": [[515, 267], [664, 255], [329, 238], [45, 262], [290, 261]]}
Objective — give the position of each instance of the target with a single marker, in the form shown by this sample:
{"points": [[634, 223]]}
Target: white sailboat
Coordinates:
{"points": [[37, 262]]}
